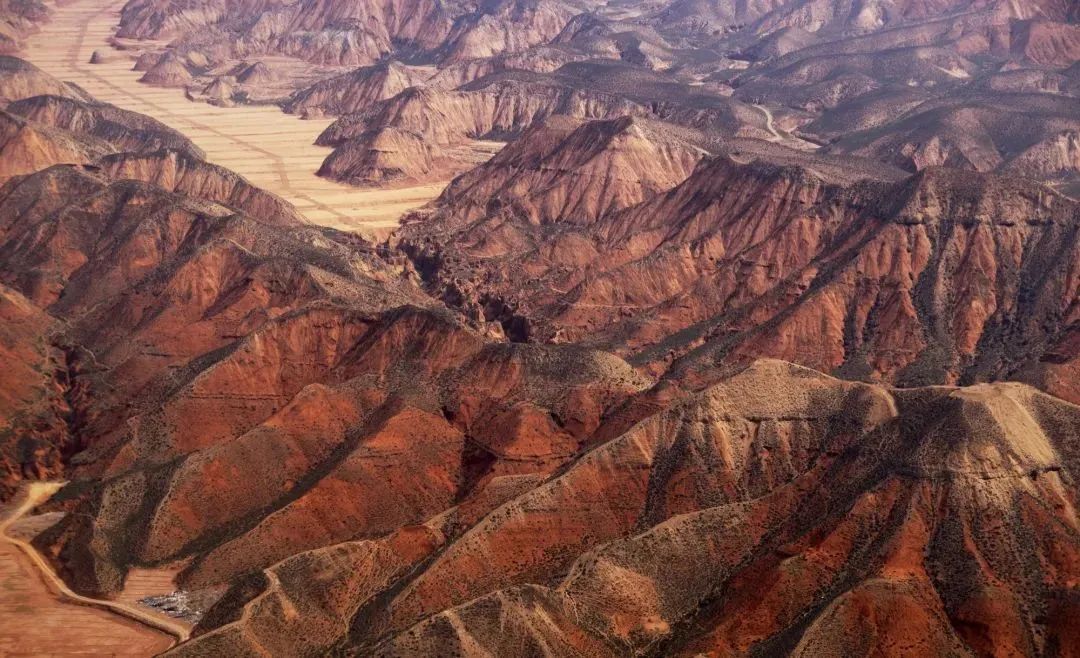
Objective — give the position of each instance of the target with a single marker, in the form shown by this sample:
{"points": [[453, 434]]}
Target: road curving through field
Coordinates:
{"points": [[78, 619]]}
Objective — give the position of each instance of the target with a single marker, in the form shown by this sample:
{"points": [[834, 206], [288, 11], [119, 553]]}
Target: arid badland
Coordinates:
{"points": [[540, 327]]}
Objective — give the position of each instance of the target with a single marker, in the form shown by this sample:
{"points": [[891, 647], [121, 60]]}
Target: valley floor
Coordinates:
{"points": [[35, 621], [273, 150]]}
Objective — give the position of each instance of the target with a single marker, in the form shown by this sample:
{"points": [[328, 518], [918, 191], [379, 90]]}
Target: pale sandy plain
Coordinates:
{"points": [[39, 617], [271, 149]]}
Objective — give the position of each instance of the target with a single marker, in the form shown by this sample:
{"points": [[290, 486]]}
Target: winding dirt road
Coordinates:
{"points": [[786, 139], [776, 137], [63, 621]]}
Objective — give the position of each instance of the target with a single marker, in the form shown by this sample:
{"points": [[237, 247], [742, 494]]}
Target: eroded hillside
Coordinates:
{"points": [[760, 335]]}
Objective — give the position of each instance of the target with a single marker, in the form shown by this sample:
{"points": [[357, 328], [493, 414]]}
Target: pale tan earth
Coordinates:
{"points": [[271, 149], [35, 621]]}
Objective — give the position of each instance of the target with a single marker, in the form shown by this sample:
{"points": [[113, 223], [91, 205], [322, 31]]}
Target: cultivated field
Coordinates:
{"points": [[273, 150], [35, 621]]}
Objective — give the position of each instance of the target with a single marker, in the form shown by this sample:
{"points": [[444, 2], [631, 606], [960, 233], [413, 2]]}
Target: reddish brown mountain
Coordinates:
{"points": [[356, 90], [20, 79], [1033, 135], [665, 537], [125, 130], [489, 70], [929, 279], [179, 171], [34, 438], [345, 34], [18, 19], [712, 358], [26, 147], [611, 165], [81, 235]]}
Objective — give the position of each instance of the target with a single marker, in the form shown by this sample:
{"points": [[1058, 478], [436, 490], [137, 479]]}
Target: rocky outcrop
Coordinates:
{"points": [[507, 26], [781, 42], [125, 130], [1055, 156], [145, 61], [309, 29], [356, 90], [161, 19], [221, 92], [1047, 43], [168, 71], [505, 103], [391, 156], [20, 79], [178, 171], [980, 132], [26, 147], [572, 171], [821, 81], [19, 19], [257, 73], [340, 34]]}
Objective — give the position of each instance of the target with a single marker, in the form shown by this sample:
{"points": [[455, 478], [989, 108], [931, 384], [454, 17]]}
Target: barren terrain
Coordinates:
{"points": [[709, 328]]}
